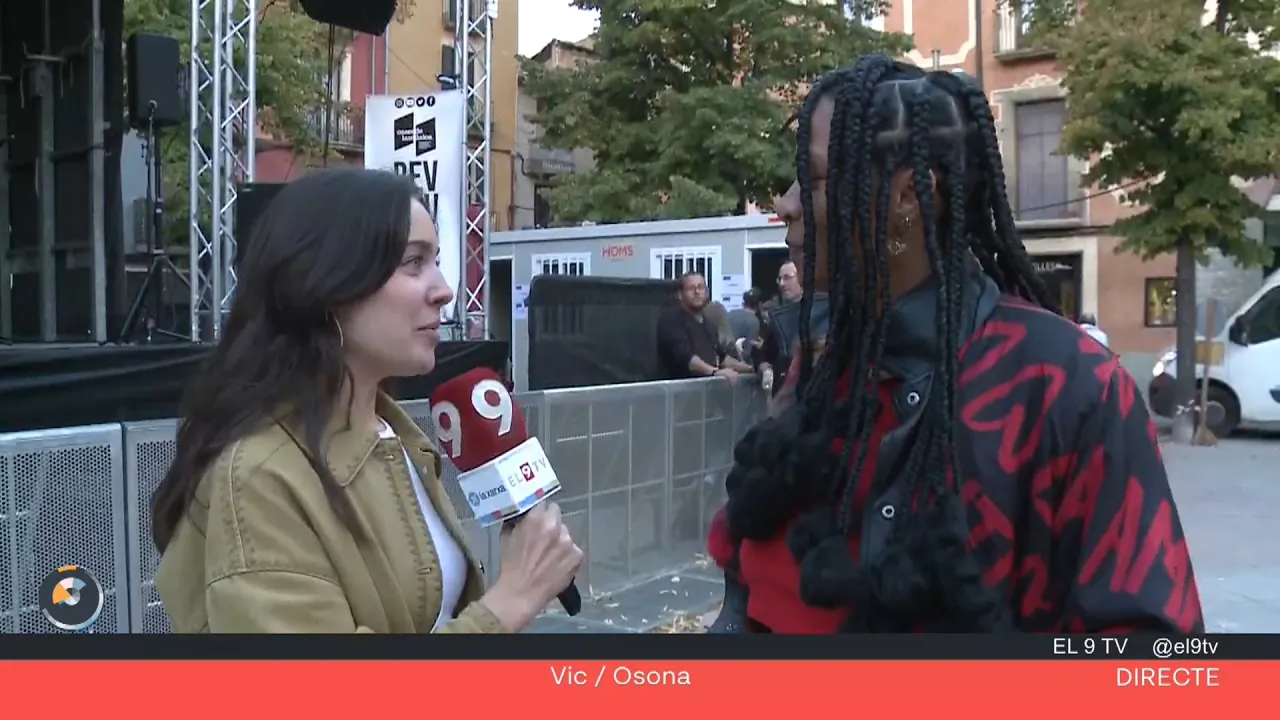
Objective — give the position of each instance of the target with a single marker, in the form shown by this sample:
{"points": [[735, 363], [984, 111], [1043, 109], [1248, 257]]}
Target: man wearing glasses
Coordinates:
{"points": [[776, 340]]}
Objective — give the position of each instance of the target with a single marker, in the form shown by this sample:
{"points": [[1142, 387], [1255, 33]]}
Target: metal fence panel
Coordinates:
{"points": [[149, 451], [61, 503], [642, 468]]}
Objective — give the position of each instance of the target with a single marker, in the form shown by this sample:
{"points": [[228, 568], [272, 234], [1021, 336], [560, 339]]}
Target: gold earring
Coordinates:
{"points": [[341, 340], [902, 227], [903, 224]]}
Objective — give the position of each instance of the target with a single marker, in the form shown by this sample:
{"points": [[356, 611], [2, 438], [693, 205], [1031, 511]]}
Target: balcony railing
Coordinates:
{"points": [[547, 161], [346, 129], [1013, 33]]}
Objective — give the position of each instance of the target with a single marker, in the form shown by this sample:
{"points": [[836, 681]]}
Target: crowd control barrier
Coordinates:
{"points": [[642, 468]]}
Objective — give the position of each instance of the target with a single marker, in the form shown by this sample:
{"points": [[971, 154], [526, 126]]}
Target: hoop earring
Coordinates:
{"points": [[341, 340]]}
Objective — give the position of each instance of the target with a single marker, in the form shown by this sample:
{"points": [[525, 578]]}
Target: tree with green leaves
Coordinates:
{"points": [[292, 75], [1177, 108], [687, 104]]}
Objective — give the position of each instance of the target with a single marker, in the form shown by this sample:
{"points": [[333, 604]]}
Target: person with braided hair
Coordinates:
{"points": [[959, 457]]}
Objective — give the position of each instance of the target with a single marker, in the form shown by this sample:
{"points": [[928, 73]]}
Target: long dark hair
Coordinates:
{"points": [[327, 240], [888, 116]]}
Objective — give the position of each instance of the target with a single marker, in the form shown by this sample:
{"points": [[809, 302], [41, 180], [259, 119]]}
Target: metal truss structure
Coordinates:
{"points": [[223, 110], [223, 107], [474, 58]]}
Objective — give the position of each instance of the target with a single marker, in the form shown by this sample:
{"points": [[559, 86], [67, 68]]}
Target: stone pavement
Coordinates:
{"points": [[1228, 497], [669, 603], [1229, 500]]}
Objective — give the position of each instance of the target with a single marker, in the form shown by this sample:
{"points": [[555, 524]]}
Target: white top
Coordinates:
{"points": [[453, 563], [1096, 334]]}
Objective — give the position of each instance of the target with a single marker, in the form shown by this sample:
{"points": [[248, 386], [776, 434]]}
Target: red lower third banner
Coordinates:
{"points": [[655, 689]]}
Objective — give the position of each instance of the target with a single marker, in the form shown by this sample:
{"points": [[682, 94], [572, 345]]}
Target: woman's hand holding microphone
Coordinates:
{"points": [[539, 559]]}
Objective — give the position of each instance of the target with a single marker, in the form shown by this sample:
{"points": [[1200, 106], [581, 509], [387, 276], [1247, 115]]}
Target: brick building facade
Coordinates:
{"points": [[539, 168], [1064, 225]]}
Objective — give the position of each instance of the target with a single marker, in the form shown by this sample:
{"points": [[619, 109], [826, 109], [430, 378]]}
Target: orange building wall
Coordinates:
{"points": [[1114, 284]]}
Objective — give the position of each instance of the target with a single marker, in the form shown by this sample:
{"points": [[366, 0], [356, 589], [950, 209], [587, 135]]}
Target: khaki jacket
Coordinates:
{"points": [[262, 551]]}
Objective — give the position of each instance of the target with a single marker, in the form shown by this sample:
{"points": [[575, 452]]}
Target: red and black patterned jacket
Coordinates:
{"points": [[1069, 508]]}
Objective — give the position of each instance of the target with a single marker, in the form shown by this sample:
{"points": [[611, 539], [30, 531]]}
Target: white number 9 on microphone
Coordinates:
{"points": [[449, 422]]}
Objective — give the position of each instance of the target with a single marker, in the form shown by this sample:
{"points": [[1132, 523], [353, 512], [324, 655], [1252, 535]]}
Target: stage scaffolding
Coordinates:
{"points": [[223, 109], [223, 122], [53, 150], [474, 54]]}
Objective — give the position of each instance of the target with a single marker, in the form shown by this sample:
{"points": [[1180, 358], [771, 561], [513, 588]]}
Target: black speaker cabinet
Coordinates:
{"points": [[252, 200], [368, 16], [153, 71]]}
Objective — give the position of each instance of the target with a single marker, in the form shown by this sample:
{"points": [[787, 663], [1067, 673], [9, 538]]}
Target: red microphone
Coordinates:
{"points": [[503, 471], [476, 419]]}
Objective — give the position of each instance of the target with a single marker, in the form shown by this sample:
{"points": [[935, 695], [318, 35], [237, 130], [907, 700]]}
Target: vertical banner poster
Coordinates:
{"points": [[422, 136]]}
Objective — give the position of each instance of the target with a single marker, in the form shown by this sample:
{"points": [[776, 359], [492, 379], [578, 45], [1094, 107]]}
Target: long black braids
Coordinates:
{"points": [[851, 138], [902, 582], [887, 116], [804, 175]]}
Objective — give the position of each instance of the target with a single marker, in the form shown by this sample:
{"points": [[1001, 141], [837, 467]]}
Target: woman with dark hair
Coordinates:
{"points": [[302, 499], [959, 457]]}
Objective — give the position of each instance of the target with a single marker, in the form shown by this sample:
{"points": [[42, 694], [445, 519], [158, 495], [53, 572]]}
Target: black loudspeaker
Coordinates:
{"points": [[368, 16], [252, 200], [153, 68]]}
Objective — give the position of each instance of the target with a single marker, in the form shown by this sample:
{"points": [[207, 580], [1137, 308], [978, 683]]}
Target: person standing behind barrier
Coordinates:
{"points": [[744, 325], [718, 319], [775, 352], [688, 345], [304, 500], [789, 289], [1089, 324]]}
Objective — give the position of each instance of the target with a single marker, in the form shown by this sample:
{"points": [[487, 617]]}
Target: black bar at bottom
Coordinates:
{"points": [[1200, 649]]}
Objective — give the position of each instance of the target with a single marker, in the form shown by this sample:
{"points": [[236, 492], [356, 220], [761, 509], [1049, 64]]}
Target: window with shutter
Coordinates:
{"points": [[562, 264], [448, 61], [671, 263], [1044, 181]]}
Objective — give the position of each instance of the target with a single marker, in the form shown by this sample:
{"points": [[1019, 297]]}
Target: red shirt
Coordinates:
{"points": [[767, 567]]}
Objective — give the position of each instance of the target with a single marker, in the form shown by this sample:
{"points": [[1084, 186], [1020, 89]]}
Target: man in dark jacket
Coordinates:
{"points": [[688, 347], [775, 352]]}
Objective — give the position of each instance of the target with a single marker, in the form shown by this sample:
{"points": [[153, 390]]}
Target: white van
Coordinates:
{"points": [[1244, 391]]}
